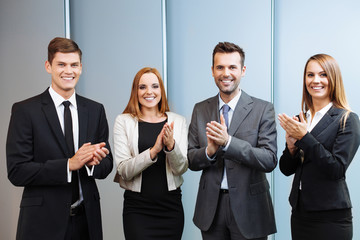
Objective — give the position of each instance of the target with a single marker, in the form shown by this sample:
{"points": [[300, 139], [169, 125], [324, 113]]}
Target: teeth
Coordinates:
{"points": [[317, 88], [150, 98], [67, 78]]}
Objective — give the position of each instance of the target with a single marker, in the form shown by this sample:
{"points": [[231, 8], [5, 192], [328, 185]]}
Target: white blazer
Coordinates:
{"points": [[130, 163]]}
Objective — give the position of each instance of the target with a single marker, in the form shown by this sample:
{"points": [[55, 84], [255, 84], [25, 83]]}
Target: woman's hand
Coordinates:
{"points": [[290, 141], [292, 126], [158, 146], [168, 138]]}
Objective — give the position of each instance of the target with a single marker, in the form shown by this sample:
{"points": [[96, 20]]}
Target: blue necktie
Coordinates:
{"points": [[226, 109]]}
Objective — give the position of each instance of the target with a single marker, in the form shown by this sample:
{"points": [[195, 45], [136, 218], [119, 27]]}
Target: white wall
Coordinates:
{"points": [[302, 29], [193, 30], [26, 27], [120, 37], [117, 38]]}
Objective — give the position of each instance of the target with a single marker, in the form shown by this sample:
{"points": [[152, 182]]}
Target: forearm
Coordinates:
{"points": [[260, 158], [288, 163], [177, 160], [129, 167], [31, 173]]}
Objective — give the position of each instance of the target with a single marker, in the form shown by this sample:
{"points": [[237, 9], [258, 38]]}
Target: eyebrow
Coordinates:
{"points": [[313, 72]]}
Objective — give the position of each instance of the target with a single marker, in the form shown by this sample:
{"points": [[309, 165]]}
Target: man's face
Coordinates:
{"points": [[65, 71], [227, 72]]}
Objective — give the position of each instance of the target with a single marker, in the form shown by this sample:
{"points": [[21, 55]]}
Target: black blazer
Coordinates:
{"points": [[251, 153], [327, 152], [37, 160]]}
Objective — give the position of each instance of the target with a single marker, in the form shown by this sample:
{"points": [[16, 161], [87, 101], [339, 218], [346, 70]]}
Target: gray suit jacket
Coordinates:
{"points": [[251, 153]]}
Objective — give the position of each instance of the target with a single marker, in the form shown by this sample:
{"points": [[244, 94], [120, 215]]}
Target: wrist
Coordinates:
{"points": [[170, 147], [153, 153], [210, 151], [225, 142]]}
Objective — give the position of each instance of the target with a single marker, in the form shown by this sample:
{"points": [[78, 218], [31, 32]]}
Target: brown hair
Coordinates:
{"points": [[227, 47], [133, 107], [336, 86], [63, 45]]}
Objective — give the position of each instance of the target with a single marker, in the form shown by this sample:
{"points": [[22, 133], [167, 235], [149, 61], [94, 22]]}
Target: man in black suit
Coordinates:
{"points": [[232, 140], [57, 145]]}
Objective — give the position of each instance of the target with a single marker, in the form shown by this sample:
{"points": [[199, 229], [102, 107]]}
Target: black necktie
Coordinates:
{"points": [[70, 144]]}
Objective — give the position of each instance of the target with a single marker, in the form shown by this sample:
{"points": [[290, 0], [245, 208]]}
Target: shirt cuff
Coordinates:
{"points": [[69, 173], [210, 158], [90, 170]]}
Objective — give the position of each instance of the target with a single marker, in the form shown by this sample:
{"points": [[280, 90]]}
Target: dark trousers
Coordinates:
{"points": [[77, 228], [224, 226]]}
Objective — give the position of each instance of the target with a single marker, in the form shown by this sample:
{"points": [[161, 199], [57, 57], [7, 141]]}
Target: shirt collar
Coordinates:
{"points": [[232, 104], [58, 99], [321, 112]]}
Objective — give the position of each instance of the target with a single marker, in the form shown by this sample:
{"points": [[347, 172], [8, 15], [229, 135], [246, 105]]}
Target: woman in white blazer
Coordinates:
{"points": [[150, 146]]}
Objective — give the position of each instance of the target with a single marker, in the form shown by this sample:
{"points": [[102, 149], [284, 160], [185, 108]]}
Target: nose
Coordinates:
{"points": [[316, 79], [226, 72], [148, 91], [67, 69]]}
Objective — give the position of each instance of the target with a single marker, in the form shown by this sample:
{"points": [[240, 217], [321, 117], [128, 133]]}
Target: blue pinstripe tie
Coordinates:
{"points": [[226, 109]]}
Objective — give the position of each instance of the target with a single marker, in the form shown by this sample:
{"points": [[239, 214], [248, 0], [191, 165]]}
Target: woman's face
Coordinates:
{"points": [[149, 92], [317, 83]]}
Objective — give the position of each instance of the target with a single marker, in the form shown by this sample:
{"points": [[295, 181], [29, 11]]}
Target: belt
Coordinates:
{"points": [[77, 210], [224, 191]]}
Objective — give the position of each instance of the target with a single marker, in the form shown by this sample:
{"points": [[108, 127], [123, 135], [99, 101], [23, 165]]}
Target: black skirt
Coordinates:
{"points": [[321, 225]]}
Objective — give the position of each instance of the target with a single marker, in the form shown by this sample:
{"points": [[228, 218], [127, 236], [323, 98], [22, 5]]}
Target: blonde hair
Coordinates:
{"points": [[336, 86], [133, 107]]}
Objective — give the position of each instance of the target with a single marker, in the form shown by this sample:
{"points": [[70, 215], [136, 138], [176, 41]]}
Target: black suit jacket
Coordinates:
{"points": [[37, 159], [251, 153], [327, 152]]}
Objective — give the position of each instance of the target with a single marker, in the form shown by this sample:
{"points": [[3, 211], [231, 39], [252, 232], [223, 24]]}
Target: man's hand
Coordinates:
{"points": [[100, 152], [217, 132], [82, 156]]}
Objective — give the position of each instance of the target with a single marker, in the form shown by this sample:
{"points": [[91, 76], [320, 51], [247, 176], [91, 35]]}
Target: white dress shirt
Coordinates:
{"points": [[58, 102], [317, 117]]}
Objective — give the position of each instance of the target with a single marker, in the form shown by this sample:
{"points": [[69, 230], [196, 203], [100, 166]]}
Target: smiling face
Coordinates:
{"points": [[227, 72], [149, 92], [65, 71], [317, 83]]}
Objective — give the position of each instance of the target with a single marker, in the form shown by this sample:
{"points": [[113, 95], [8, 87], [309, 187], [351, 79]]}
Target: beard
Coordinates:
{"points": [[231, 88]]}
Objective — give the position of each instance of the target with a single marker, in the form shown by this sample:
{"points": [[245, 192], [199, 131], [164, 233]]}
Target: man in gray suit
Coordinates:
{"points": [[232, 139]]}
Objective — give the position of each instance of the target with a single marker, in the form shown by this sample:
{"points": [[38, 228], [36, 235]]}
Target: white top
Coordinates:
{"points": [[317, 117]]}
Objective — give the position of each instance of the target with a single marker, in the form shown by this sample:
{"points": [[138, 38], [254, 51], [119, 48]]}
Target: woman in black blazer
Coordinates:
{"points": [[320, 145]]}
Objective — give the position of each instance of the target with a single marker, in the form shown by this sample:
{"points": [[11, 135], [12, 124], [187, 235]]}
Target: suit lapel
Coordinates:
{"points": [[83, 120], [50, 113], [242, 109], [325, 121], [212, 112]]}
